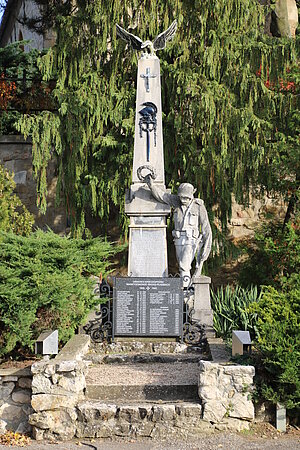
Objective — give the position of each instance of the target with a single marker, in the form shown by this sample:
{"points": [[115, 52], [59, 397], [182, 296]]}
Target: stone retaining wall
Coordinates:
{"points": [[225, 391], [58, 386], [15, 399], [15, 155]]}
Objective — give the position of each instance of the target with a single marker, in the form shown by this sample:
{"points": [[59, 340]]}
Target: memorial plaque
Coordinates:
{"points": [[148, 307], [152, 261]]}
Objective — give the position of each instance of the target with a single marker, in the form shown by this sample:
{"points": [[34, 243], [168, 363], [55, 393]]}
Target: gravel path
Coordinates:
{"points": [[140, 374], [223, 441]]}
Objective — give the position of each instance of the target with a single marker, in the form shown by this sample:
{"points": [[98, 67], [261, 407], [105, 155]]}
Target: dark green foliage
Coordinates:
{"points": [[17, 94], [220, 110], [274, 257], [278, 344], [13, 214], [45, 283], [231, 310]]}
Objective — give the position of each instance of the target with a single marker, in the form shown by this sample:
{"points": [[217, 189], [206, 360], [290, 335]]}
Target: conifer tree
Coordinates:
{"points": [[220, 111]]}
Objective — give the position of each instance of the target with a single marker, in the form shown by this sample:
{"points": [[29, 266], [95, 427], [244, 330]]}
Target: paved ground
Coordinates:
{"points": [[140, 374], [266, 439]]}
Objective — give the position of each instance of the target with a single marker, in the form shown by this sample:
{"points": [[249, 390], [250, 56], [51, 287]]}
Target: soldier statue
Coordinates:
{"points": [[192, 232]]}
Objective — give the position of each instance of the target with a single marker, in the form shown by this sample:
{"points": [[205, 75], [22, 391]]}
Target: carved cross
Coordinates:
{"points": [[146, 77]]}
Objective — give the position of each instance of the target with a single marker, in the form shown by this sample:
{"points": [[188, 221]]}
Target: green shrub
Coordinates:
{"points": [[45, 283], [13, 214], [230, 305], [278, 343], [274, 257]]}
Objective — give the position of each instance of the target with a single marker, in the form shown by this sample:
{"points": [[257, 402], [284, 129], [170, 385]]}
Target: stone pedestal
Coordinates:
{"points": [[203, 312]]}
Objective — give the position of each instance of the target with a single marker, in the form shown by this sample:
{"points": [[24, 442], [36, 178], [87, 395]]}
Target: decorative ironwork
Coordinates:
{"points": [[100, 328], [192, 330], [148, 123]]}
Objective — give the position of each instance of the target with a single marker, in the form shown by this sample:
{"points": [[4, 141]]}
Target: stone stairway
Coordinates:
{"points": [[138, 393], [139, 389]]}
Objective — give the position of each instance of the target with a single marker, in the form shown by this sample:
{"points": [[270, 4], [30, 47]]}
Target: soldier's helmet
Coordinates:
{"points": [[186, 190]]}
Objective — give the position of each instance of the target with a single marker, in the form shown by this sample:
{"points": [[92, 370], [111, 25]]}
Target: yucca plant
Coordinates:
{"points": [[231, 309]]}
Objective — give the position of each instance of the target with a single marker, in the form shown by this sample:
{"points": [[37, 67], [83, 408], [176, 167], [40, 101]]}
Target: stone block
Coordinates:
{"points": [[49, 370], [96, 429], [9, 378], [208, 378], [42, 402], [214, 411], [3, 426], [163, 412], [236, 370], [180, 348], [145, 429], [6, 390], [189, 410], [104, 431], [122, 429], [20, 177], [66, 366], [25, 383], [241, 407], [129, 413], [41, 384], [21, 396], [76, 384], [61, 422], [207, 366], [39, 367], [147, 252], [23, 427], [91, 411], [38, 434], [208, 393], [75, 349], [11, 413], [145, 411], [230, 424]]}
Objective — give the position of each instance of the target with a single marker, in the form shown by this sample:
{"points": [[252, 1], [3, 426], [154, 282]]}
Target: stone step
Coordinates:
{"points": [[145, 358], [152, 345], [177, 380], [184, 392], [148, 419]]}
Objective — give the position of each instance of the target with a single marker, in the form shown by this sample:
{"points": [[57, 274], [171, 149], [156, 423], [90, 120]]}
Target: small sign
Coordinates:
{"points": [[148, 307], [241, 342], [47, 343]]}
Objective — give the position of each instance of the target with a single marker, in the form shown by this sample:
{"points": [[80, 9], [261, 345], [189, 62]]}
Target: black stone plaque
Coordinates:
{"points": [[148, 307]]}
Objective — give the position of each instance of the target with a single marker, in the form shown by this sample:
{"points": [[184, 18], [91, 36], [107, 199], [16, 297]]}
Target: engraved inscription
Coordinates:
{"points": [[148, 307], [148, 252]]}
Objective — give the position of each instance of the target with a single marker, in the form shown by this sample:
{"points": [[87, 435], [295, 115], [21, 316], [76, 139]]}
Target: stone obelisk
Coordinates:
{"points": [[147, 229]]}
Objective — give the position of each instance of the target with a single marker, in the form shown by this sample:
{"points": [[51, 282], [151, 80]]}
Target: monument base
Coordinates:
{"points": [[203, 312]]}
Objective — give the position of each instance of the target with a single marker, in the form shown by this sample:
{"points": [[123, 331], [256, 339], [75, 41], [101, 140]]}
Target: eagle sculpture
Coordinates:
{"points": [[158, 44]]}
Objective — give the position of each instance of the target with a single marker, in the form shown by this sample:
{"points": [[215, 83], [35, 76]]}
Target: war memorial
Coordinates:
{"points": [[172, 353], [147, 364]]}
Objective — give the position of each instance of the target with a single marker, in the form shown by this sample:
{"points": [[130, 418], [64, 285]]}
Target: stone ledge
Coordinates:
{"points": [[14, 139], [217, 348], [15, 372], [75, 349]]}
